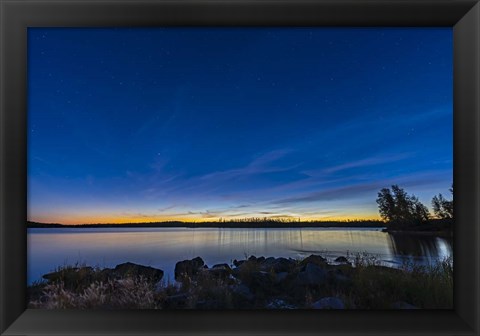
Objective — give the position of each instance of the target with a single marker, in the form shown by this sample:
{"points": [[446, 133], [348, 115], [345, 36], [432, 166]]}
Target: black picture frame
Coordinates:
{"points": [[17, 15]]}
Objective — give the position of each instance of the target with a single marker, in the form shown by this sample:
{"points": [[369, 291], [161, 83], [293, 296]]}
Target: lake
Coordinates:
{"points": [[164, 247]]}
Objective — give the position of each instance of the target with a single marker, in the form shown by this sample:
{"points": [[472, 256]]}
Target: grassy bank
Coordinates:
{"points": [[254, 283]]}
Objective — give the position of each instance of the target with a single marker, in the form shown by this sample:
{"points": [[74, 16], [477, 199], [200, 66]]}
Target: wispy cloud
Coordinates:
{"points": [[135, 215], [360, 190], [330, 194], [167, 208], [260, 165], [367, 162]]}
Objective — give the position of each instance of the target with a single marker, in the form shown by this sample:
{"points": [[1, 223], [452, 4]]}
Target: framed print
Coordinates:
{"points": [[210, 184], [185, 167]]}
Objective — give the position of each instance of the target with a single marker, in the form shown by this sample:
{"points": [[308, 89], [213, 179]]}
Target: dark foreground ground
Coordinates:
{"points": [[253, 283]]}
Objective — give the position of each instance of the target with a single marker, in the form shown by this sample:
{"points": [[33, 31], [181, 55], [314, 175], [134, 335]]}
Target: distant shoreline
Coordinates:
{"points": [[259, 224]]}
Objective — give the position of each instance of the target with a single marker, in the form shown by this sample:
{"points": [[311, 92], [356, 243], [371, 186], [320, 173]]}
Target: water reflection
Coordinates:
{"points": [[423, 248], [163, 247]]}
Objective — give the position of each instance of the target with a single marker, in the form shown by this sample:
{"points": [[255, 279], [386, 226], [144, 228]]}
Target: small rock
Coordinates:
{"points": [[224, 266], [314, 259], [279, 304], [245, 269], [188, 267], [311, 276], [221, 271], [237, 263], [329, 303], [261, 278], [278, 265], [342, 260]]}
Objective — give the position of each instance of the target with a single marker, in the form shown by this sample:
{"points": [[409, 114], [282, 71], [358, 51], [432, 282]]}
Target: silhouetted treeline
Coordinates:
{"points": [[404, 212], [240, 223]]}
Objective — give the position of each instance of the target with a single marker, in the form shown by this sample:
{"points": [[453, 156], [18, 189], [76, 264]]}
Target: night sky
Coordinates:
{"points": [[135, 125]]}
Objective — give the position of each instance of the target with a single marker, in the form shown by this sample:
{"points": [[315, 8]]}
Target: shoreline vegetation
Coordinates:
{"points": [[348, 282]]}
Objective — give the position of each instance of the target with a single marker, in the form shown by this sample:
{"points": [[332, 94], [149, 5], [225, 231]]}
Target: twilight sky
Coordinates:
{"points": [[134, 125]]}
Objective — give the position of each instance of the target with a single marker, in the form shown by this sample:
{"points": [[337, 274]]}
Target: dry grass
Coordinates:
{"points": [[368, 285], [126, 293], [427, 287]]}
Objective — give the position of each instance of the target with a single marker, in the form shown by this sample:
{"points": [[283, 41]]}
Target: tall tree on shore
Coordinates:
{"points": [[400, 209], [443, 208]]}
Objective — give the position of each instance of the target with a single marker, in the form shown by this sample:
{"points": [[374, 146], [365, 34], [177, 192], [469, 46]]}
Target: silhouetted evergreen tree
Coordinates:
{"points": [[399, 209], [443, 208]]}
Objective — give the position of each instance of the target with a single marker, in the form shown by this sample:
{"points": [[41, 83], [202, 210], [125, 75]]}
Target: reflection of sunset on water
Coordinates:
{"points": [[163, 247]]}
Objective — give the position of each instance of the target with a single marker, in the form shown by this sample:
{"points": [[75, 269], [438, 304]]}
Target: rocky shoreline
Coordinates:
{"points": [[252, 283]]}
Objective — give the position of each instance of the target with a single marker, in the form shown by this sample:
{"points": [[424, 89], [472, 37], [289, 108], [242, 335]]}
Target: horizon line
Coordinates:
{"points": [[286, 220]]}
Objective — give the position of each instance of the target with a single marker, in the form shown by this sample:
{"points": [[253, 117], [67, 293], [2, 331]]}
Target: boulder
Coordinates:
{"points": [[328, 303], [312, 275], [188, 267], [106, 274], [130, 270], [341, 260], [245, 269], [269, 260], [72, 277], [277, 265], [261, 279], [220, 271], [225, 266], [339, 277], [75, 277], [237, 263], [314, 259], [69, 272]]}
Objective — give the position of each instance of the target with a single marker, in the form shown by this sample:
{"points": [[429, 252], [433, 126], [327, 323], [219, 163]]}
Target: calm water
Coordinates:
{"points": [[163, 247]]}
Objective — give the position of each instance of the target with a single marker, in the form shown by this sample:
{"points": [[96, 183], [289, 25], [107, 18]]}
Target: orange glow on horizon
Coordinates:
{"points": [[112, 219]]}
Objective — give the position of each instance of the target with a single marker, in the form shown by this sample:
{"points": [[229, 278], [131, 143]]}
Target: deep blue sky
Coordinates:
{"points": [[201, 123]]}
